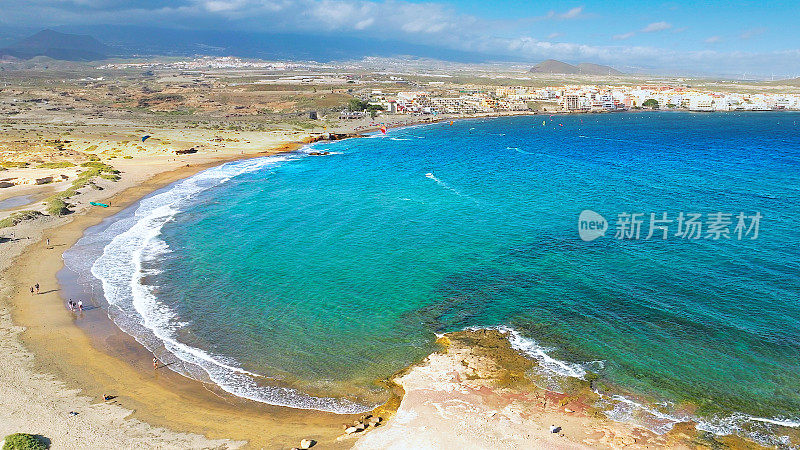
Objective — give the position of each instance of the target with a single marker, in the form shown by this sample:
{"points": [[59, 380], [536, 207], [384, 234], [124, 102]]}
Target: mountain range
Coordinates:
{"points": [[62, 46], [74, 44], [133, 41]]}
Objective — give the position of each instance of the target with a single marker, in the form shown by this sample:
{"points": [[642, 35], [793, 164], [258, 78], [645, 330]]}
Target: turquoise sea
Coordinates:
{"points": [[301, 280]]}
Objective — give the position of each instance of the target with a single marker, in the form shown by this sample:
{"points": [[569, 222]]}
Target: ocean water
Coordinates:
{"points": [[301, 280]]}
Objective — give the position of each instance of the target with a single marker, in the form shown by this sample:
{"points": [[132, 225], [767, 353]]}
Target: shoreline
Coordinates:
{"points": [[163, 399], [104, 322], [247, 419]]}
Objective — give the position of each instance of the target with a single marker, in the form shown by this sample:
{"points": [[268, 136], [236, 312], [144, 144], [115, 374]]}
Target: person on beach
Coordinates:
{"points": [[155, 363], [80, 305], [31, 289], [48, 242], [71, 305], [37, 287]]}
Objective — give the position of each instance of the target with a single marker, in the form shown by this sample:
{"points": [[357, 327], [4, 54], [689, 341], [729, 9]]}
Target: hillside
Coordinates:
{"points": [[61, 46], [597, 69], [135, 41], [552, 66]]}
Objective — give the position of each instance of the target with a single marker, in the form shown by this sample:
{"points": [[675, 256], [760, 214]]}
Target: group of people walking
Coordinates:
{"points": [[72, 305], [75, 305]]}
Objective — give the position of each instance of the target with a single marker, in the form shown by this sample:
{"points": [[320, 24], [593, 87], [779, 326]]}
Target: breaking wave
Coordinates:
{"points": [[136, 309], [658, 418]]}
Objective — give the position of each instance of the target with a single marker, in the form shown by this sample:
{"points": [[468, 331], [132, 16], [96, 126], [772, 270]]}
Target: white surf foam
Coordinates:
{"points": [[759, 429], [539, 353], [780, 422], [624, 409], [309, 148], [535, 351], [621, 408], [136, 308]]}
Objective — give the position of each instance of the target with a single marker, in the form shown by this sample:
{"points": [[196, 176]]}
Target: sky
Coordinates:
{"points": [[734, 38]]}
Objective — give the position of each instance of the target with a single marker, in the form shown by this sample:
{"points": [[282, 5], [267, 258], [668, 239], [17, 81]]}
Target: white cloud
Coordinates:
{"points": [[656, 26], [572, 13], [364, 23], [713, 40], [753, 32], [223, 5], [428, 23]]}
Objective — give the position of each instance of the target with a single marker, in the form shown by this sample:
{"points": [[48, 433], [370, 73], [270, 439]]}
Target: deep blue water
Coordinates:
{"points": [[331, 272]]}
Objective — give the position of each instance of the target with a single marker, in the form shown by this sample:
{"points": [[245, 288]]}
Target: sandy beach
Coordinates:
{"points": [[68, 374]]}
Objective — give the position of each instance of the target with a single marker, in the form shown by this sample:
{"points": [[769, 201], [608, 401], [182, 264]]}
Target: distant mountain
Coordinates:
{"points": [[597, 69], [552, 66], [62, 46], [133, 41]]}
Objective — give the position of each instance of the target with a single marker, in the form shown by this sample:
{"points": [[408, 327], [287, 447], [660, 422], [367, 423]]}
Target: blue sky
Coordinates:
{"points": [[714, 37]]}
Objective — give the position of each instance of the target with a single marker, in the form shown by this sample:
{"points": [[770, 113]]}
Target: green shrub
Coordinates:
{"points": [[56, 165], [101, 167], [56, 206], [650, 103], [18, 217], [13, 164], [23, 441]]}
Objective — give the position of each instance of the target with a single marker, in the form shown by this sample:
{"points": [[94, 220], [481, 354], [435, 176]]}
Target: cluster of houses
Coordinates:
{"points": [[467, 101], [592, 98], [574, 98]]}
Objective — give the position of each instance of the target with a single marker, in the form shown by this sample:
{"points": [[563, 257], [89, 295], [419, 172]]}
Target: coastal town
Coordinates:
{"points": [[577, 99], [386, 87]]}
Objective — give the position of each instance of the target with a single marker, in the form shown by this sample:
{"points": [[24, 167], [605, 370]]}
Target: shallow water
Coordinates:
{"points": [[15, 202], [327, 273]]}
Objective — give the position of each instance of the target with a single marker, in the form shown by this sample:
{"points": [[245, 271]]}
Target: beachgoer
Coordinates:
{"points": [[48, 242], [80, 305], [71, 305], [37, 287], [31, 289], [155, 363]]}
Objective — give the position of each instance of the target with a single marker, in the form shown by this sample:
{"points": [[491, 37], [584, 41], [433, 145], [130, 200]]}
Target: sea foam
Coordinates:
{"points": [[621, 408], [136, 309]]}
